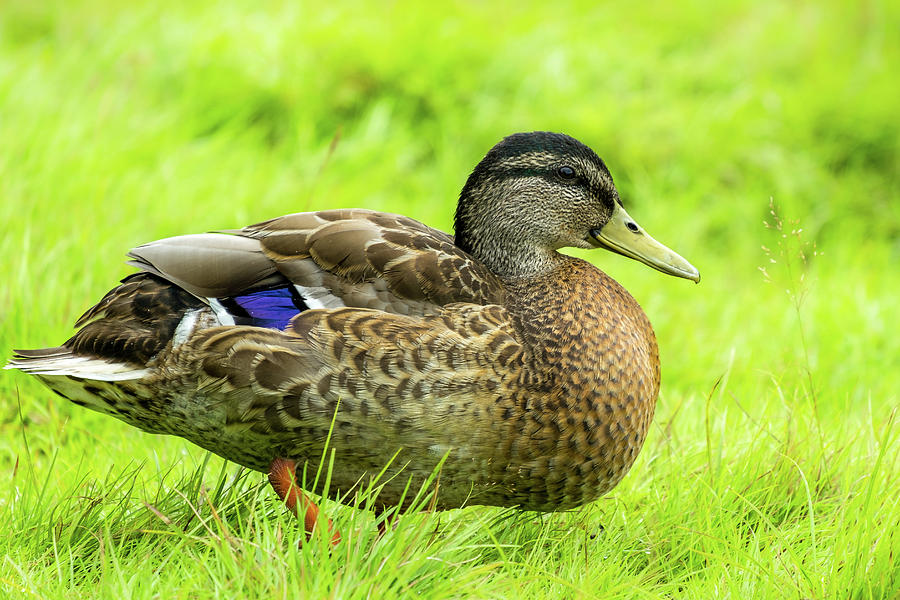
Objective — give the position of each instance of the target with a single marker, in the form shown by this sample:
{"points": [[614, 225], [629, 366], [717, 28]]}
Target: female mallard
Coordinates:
{"points": [[534, 373]]}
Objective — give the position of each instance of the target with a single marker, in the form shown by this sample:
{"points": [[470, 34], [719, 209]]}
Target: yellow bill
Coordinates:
{"points": [[624, 236]]}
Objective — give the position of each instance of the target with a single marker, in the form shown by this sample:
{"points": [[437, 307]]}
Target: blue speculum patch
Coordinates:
{"points": [[272, 307]]}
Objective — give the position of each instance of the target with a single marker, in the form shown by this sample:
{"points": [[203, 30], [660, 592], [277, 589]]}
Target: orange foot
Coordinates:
{"points": [[282, 477]]}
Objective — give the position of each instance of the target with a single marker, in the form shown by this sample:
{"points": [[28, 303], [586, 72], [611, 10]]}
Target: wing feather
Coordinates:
{"points": [[376, 370], [393, 253], [208, 265], [352, 257]]}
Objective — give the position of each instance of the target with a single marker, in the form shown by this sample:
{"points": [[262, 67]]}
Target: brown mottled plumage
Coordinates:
{"points": [[534, 373]]}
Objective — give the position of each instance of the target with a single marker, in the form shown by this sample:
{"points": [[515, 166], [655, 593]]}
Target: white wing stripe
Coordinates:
{"points": [[185, 327], [319, 297], [219, 311]]}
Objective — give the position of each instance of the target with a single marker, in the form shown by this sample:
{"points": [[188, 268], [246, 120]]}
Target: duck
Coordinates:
{"points": [[390, 349]]}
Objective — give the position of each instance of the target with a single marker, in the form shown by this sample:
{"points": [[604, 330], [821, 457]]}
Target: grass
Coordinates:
{"points": [[771, 470]]}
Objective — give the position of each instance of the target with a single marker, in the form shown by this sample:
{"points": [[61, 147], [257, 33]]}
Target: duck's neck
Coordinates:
{"points": [[507, 256], [521, 262], [490, 229]]}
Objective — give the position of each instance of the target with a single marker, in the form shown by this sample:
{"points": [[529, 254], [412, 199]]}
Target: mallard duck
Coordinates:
{"points": [[531, 374]]}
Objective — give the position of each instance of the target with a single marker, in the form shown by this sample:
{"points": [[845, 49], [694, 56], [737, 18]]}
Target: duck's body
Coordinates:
{"points": [[532, 374]]}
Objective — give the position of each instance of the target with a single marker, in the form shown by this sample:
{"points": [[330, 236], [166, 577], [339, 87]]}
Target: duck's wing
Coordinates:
{"points": [[333, 258]]}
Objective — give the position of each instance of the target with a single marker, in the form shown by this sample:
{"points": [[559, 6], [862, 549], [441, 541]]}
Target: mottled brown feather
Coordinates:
{"points": [[134, 321], [415, 262], [543, 421], [535, 390]]}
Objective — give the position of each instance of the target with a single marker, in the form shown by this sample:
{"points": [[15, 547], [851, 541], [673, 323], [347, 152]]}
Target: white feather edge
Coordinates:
{"points": [[219, 311], [319, 297], [83, 367], [185, 327]]}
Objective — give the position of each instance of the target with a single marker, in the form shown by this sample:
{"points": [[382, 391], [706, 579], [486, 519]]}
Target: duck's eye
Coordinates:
{"points": [[566, 172]]}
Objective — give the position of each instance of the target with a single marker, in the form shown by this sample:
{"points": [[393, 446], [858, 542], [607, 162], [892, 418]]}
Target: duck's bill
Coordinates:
{"points": [[624, 236]]}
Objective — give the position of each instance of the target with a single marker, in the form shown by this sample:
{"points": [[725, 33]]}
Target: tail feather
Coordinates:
{"points": [[61, 361], [40, 352], [101, 384]]}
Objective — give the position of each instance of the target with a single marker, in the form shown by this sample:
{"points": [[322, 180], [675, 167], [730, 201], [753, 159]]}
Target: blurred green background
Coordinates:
{"points": [[125, 122], [703, 110]]}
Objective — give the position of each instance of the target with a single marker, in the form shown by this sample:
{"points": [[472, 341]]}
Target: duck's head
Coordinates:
{"points": [[535, 193]]}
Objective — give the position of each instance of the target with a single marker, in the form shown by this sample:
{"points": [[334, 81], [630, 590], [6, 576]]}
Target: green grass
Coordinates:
{"points": [[772, 466]]}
